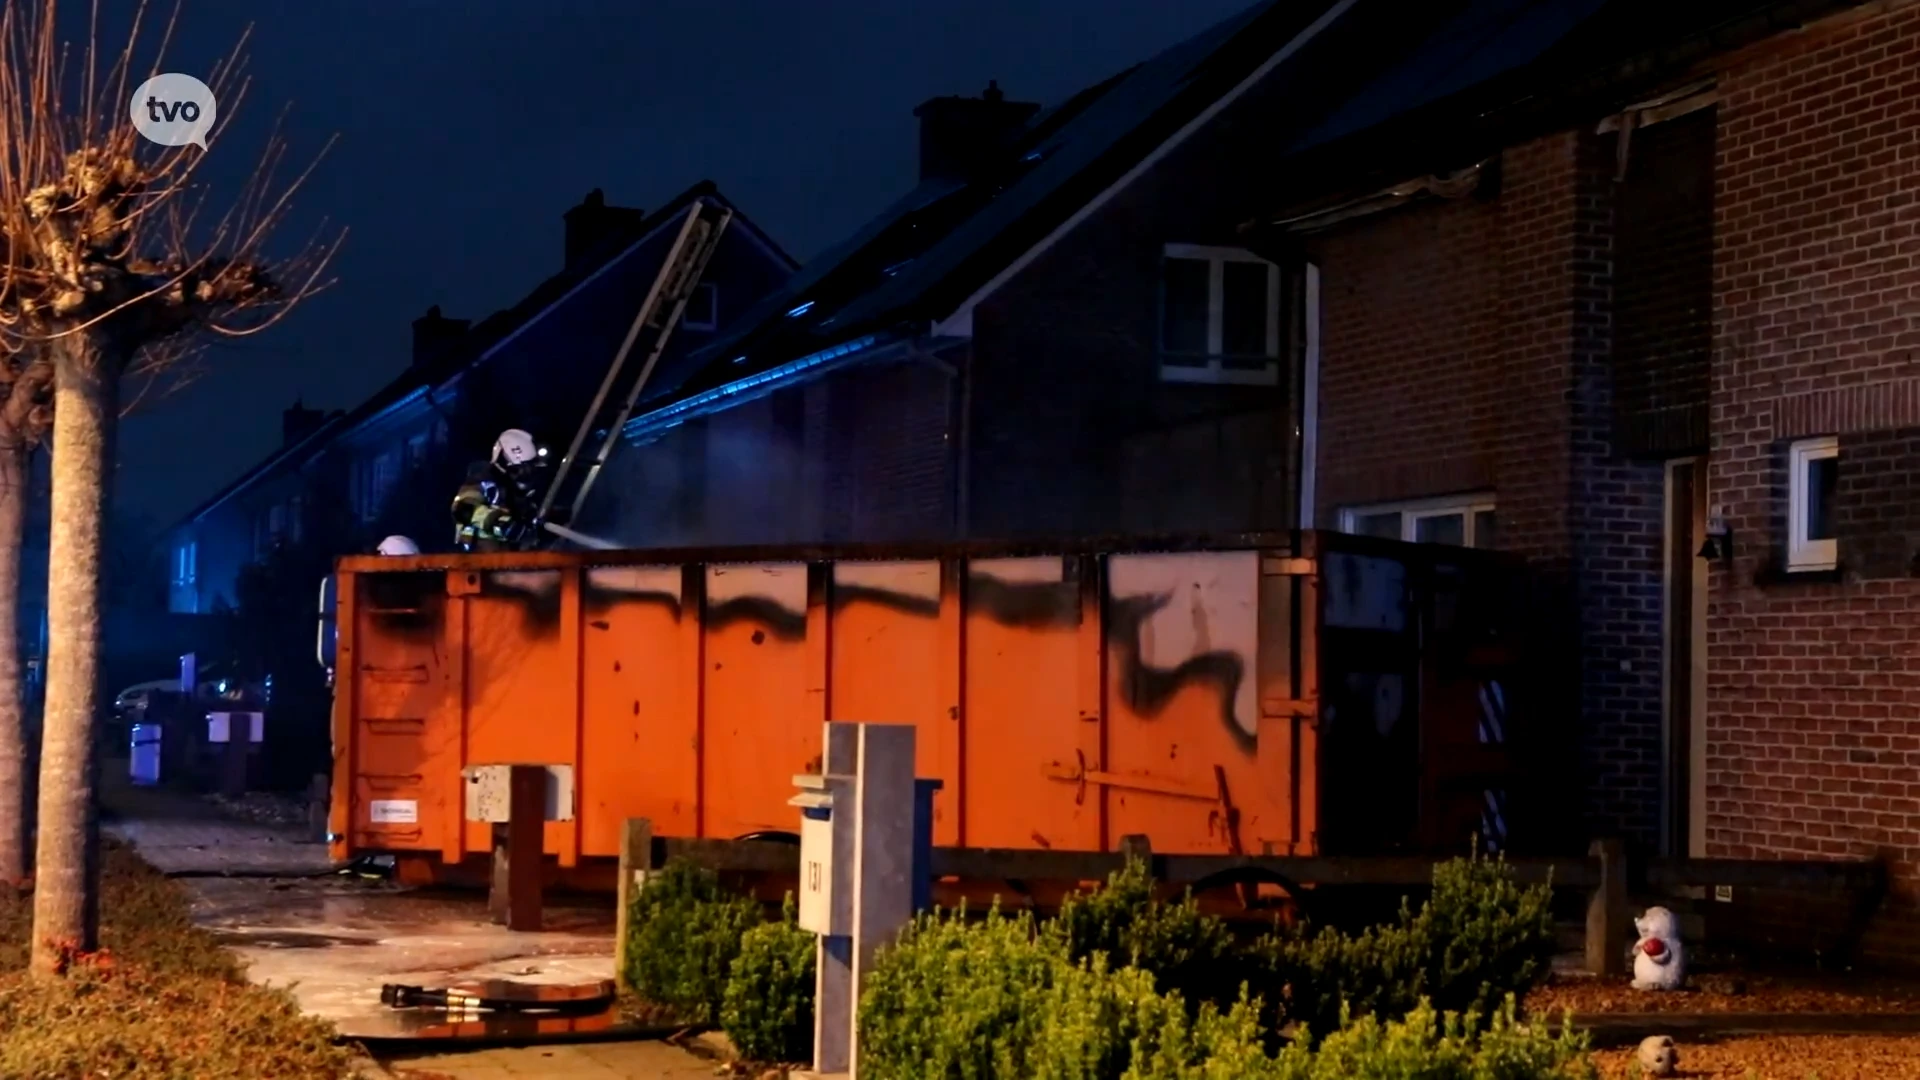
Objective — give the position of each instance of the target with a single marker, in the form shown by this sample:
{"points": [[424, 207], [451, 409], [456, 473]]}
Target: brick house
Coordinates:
{"points": [[1048, 336], [1641, 305]]}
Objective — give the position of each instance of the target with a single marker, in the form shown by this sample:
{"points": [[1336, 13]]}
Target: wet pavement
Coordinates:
{"points": [[334, 943], [268, 893]]}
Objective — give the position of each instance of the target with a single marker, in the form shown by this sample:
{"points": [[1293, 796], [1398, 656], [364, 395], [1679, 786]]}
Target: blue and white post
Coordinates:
{"points": [[861, 870]]}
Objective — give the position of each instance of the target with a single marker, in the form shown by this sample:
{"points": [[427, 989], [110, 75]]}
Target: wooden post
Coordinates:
{"points": [[233, 762], [636, 859], [1607, 913], [518, 850]]}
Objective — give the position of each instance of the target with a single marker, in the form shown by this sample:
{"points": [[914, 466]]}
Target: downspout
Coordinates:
{"points": [[1307, 441], [963, 469]]}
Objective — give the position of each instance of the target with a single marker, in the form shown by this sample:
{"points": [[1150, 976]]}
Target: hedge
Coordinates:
{"points": [[768, 1009], [1121, 985], [683, 933]]}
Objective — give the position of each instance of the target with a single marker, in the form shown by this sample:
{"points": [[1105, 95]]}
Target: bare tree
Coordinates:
{"points": [[24, 416], [106, 265]]}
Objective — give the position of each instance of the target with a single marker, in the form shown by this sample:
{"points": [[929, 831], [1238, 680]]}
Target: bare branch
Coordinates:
{"points": [[102, 234]]}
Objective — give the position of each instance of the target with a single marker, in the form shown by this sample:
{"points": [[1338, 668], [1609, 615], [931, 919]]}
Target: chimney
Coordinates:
{"points": [[299, 422], [593, 227], [961, 135], [434, 334]]}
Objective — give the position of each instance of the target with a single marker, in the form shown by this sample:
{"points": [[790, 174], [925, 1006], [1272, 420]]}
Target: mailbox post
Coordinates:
{"points": [[861, 869]]}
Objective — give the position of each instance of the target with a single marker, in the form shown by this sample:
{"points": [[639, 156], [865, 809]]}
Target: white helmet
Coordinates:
{"points": [[399, 545], [514, 447]]}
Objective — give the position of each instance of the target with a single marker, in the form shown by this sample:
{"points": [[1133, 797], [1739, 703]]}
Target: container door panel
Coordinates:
{"points": [[888, 657], [522, 680], [640, 755], [1183, 703], [762, 714], [1023, 715], [404, 706]]}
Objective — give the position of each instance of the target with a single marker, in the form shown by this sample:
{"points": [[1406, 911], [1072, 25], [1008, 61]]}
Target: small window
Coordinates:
{"points": [[296, 519], [386, 472], [703, 308], [1219, 316], [1462, 521], [1813, 470], [184, 558], [416, 452]]}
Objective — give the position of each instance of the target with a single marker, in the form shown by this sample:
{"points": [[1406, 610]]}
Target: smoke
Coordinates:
{"points": [[731, 478]]}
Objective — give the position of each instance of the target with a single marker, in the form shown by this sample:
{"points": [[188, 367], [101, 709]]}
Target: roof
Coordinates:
{"points": [[1414, 82], [927, 252], [1501, 71], [475, 345]]}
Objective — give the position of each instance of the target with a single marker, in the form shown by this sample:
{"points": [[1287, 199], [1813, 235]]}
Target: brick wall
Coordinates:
{"points": [[1465, 346], [1812, 687]]}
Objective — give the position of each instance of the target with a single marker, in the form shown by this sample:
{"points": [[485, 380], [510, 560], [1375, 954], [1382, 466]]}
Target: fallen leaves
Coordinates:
{"points": [[1788, 1057]]}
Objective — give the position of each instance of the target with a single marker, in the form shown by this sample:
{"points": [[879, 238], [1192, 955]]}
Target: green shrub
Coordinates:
{"points": [[1185, 952], [953, 999], [1309, 979], [683, 933], [1423, 1045], [768, 1011], [1479, 938], [1449, 1046], [1214, 1045], [1091, 1016], [1485, 937]]}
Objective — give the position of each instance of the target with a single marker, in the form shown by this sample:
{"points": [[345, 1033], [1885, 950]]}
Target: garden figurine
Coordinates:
{"points": [[1658, 961], [1658, 1056]]}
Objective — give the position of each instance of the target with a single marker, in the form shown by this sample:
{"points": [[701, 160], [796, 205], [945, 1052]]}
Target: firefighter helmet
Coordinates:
{"points": [[399, 545], [515, 447]]}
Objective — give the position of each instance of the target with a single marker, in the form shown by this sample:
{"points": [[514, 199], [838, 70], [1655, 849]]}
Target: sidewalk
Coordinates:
{"points": [[600, 1061], [333, 941]]}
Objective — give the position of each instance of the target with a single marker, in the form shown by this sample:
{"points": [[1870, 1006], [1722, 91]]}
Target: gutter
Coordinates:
{"points": [[649, 426]]}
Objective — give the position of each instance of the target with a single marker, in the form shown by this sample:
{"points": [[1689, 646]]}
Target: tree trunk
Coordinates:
{"points": [[66, 898], [13, 720]]}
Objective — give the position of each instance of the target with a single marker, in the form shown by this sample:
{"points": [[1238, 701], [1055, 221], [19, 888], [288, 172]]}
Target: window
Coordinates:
{"points": [[440, 431], [1219, 316], [1813, 468], [416, 452], [385, 472], [185, 563], [703, 308], [296, 519], [1461, 520]]}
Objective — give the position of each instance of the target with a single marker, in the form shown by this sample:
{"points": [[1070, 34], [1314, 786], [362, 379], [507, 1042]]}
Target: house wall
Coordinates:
{"points": [[1464, 349], [1813, 684], [1071, 419]]}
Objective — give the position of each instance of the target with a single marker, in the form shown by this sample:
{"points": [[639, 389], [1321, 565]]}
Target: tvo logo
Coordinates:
{"points": [[173, 110]]}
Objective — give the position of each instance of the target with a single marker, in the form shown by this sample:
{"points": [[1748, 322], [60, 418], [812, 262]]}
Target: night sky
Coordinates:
{"points": [[468, 127]]}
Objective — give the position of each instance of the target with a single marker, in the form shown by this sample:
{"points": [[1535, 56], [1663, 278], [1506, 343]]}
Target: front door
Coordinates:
{"points": [[1684, 683]]}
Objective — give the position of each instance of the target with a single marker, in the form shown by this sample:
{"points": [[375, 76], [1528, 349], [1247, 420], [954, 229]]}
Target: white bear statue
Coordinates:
{"points": [[1659, 962]]}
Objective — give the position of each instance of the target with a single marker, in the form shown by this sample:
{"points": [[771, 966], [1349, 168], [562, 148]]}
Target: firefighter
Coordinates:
{"points": [[495, 508]]}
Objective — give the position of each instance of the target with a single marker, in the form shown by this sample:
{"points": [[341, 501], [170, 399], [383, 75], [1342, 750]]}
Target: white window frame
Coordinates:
{"points": [[1412, 511], [712, 290], [185, 558], [1805, 555], [1209, 368]]}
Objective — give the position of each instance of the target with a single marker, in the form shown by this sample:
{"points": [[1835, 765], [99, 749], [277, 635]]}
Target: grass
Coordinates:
{"points": [[160, 1001]]}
